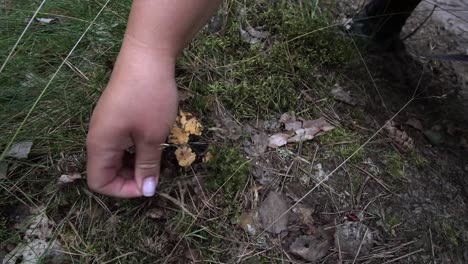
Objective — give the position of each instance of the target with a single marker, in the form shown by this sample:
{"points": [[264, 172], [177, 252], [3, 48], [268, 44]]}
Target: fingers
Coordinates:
{"points": [[147, 164], [106, 173]]}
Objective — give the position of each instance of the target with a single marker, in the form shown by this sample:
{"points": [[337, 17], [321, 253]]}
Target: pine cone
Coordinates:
{"points": [[400, 137]]}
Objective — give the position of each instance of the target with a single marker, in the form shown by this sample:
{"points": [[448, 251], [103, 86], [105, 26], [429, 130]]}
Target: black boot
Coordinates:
{"points": [[380, 23]]}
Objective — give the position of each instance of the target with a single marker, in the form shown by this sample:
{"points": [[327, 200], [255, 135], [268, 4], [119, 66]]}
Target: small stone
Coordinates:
{"points": [[351, 236], [20, 150]]}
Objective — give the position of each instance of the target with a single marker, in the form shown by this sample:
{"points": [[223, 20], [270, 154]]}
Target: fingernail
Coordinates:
{"points": [[149, 186]]}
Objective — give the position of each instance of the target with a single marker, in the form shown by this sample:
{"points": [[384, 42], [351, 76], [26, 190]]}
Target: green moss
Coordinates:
{"points": [[395, 165], [451, 233], [342, 143], [228, 170]]}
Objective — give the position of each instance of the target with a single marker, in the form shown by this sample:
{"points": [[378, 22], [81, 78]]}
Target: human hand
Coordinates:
{"points": [[137, 109]]}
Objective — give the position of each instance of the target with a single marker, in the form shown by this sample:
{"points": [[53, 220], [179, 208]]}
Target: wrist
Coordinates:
{"points": [[137, 58]]}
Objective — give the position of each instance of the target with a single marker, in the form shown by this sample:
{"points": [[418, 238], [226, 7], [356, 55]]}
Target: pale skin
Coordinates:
{"points": [[139, 105]]}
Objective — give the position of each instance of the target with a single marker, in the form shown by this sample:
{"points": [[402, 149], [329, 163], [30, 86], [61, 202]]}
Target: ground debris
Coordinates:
{"points": [[415, 123], [230, 129], [247, 223], [253, 36], [65, 178], [278, 140], [38, 241], [20, 150], [271, 213], [354, 238], [344, 96], [3, 170], [400, 137], [258, 146], [310, 248], [298, 131], [156, 213]]}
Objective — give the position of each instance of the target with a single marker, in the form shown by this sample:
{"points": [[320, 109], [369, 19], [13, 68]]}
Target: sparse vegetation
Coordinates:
{"points": [[198, 217]]}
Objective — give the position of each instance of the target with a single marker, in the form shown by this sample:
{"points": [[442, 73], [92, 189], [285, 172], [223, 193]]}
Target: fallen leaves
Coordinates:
{"points": [[298, 131], [273, 213], [38, 241], [252, 35], [185, 156]]}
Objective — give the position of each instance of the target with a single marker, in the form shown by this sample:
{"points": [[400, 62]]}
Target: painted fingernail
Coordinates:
{"points": [[149, 186]]}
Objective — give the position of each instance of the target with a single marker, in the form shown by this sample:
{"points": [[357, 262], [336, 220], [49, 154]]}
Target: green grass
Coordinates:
{"points": [[251, 81]]}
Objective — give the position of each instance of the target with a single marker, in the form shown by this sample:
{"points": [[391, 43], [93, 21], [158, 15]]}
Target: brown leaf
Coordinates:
{"points": [[278, 140], [185, 157], [320, 123], [273, 212]]}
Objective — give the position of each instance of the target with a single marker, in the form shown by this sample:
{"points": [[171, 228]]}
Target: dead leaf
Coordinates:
{"points": [[20, 150], [310, 248], [415, 123], [178, 136], [287, 117], [3, 170], [156, 213], [185, 156], [258, 146], [247, 222], [257, 33], [305, 214], [253, 36], [208, 157], [319, 123], [278, 140], [273, 213], [293, 125], [68, 178], [38, 240], [343, 96]]}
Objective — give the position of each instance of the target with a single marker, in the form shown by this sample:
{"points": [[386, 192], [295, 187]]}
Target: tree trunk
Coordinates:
{"points": [[383, 20]]}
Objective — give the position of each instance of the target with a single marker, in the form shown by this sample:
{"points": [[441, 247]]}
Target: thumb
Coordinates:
{"points": [[147, 165]]}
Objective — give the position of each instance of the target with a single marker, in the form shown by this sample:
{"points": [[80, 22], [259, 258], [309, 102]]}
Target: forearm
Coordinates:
{"points": [[161, 29]]}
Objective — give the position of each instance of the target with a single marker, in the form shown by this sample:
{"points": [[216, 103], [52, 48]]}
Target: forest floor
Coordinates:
{"points": [[375, 170]]}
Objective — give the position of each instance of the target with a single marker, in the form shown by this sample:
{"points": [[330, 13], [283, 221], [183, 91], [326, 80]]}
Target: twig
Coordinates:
{"points": [[404, 256]]}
